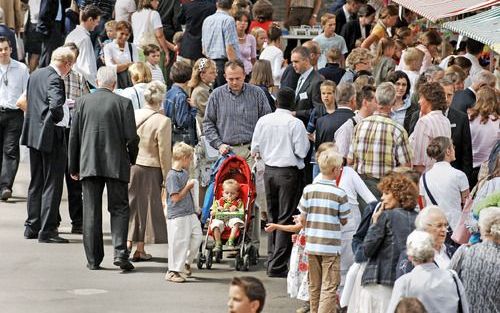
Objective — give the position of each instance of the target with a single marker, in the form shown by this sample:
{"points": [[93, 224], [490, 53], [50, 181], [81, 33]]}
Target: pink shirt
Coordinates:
{"points": [[483, 137], [248, 51], [428, 127]]}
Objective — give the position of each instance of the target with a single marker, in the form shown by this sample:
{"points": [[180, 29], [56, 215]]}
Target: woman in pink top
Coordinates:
{"points": [[484, 127], [248, 45]]}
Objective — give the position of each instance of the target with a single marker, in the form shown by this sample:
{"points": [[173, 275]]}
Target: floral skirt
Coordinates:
{"points": [[297, 280]]}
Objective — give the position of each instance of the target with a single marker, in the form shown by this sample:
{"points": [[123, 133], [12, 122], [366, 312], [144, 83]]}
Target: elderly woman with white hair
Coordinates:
{"points": [[147, 220], [477, 266], [439, 290], [432, 220]]}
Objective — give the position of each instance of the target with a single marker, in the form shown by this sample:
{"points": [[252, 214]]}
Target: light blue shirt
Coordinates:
{"points": [[325, 44], [281, 139], [398, 115], [13, 81], [218, 32]]}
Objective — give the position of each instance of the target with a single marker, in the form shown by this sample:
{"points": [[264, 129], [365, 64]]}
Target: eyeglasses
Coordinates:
{"points": [[442, 225]]}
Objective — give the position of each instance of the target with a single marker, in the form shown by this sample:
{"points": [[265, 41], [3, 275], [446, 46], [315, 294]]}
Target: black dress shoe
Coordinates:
{"points": [[93, 267], [76, 229], [30, 234], [124, 264], [5, 194], [53, 239]]}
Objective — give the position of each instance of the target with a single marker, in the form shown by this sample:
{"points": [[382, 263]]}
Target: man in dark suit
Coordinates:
{"points": [[466, 99], [307, 95], [348, 12], [307, 92], [460, 131], [103, 144], [51, 26], [290, 77], [358, 28], [46, 97]]}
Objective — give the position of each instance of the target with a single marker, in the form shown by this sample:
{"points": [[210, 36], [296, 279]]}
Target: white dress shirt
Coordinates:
{"points": [[281, 139], [303, 77], [13, 81], [86, 62], [343, 135]]}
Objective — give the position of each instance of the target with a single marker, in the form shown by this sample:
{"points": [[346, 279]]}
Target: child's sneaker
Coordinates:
{"points": [[174, 277], [230, 242], [187, 270], [218, 246]]}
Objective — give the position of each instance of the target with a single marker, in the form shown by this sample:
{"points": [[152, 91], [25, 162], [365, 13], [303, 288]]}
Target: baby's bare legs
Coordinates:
{"points": [[216, 232]]}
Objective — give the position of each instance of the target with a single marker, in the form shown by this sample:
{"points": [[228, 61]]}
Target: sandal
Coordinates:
{"points": [[174, 277], [141, 256]]}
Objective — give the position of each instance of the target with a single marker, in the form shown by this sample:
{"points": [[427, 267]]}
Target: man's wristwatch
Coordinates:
{"points": [[315, 15]]}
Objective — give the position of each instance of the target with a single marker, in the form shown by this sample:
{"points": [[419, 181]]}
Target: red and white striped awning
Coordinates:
{"points": [[438, 9]]}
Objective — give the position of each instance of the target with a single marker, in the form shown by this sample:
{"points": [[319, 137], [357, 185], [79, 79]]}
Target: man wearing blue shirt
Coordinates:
{"points": [[219, 39]]}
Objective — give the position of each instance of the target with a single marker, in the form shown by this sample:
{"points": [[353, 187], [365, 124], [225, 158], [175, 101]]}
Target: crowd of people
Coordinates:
{"points": [[378, 143]]}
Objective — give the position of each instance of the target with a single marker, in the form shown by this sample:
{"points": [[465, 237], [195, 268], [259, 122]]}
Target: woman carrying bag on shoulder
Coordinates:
{"points": [[121, 54], [147, 220]]}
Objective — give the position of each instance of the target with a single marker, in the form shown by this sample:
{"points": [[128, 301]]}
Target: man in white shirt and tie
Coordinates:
{"points": [[13, 81], [280, 139], [86, 63]]}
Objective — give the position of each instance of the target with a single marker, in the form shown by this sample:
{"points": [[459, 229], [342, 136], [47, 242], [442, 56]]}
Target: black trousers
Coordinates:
{"points": [[75, 203], [283, 191], [51, 43], [220, 79], [11, 125], [46, 186], [92, 217]]}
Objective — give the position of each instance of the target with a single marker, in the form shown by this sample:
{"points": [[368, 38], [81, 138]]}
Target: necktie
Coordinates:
{"points": [[299, 85]]}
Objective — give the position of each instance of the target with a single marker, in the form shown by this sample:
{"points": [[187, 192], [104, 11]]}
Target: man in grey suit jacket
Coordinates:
{"points": [[45, 140], [103, 144], [307, 96]]}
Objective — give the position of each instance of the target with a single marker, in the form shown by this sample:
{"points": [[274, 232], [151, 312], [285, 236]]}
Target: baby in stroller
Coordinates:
{"points": [[228, 210]]}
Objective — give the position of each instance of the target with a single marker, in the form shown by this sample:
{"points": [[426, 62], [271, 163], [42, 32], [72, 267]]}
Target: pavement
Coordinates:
{"points": [[53, 278]]}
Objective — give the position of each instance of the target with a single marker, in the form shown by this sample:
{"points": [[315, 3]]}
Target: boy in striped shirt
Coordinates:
{"points": [[324, 209]]}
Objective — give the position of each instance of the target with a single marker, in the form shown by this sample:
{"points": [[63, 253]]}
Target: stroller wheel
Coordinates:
{"points": [[252, 254], [246, 263], [201, 260], [210, 255], [218, 256], [238, 262]]}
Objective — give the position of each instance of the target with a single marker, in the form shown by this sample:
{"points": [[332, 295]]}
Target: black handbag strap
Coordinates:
{"points": [[131, 53], [433, 201], [458, 292], [137, 96]]}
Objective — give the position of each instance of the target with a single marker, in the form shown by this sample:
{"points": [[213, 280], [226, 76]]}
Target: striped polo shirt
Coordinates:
{"points": [[324, 205]]}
